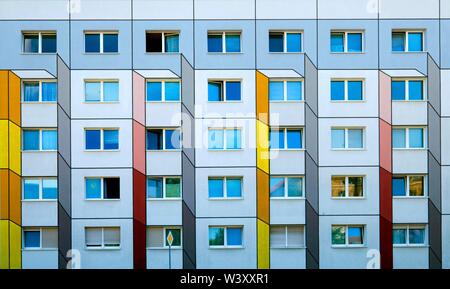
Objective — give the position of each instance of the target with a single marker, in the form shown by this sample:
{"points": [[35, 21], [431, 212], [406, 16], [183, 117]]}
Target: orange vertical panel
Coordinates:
{"points": [[262, 97], [14, 198], [4, 194], [262, 187], [14, 98], [3, 94]]}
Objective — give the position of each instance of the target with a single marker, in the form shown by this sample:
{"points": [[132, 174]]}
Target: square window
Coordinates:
{"points": [[399, 186], [215, 188], [234, 236], [48, 43], [295, 187], [31, 189], [277, 186], [215, 91], [110, 43], [49, 91], [416, 138], [31, 91], [93, 139], [354, 42], [92, 91], [294, 42], [233, 89], [216, 236], [415, 89], [93, 188], [398, 90], [355, 138], [276, 40], [399, 138], [398, 41], [276, 90], [294, 139], [172, 139], [215, 43], [31, 43], [31, 140], [355, 90], [233, 138], [338, 187], [111, 188], [49, 140], [234, 187], [337, 42], [92, 43], [399, 236], [173, 188], [110, 139], [32, 239], [110, 91], [337, 90], [294, 90], [171, 42], [154, 188], [153, 42], [276, 139], [233, 42], [49, 189], [172, 89], [215, 139], [337, 138]]}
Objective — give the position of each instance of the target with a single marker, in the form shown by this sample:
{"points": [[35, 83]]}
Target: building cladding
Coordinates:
{"points": [[313, 134]]}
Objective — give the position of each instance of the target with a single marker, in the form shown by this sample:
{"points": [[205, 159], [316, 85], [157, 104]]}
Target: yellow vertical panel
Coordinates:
{"points": [[15, 246], [4, 244], [14, 148], [4, 94], [14, 98], [262, 146], [263, 245], [4, 144]]}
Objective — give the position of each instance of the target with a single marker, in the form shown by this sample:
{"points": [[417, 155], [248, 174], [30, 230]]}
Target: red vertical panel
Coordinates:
{"points": [[139, 147], [139, 215]]}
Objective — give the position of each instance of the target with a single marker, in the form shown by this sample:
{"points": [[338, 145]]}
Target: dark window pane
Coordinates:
{"points": [[49, 43], [92, 43], [172, 139], [233, 90], [337, 42], [398, 90], [398, 41], [30, 140], [154, 188], [214, 42], [399, 186], [216, 236], [110, 43], [111, 139], [276, 41], [171, 42], [153, 42], [355, 186], [92, 139], [31, 43], [49, 91], [154, 139], [111, 188], [294, 139], [215, 91], [31, 91]]}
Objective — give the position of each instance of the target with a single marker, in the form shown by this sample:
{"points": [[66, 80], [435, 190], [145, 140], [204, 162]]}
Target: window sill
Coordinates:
{"points": [[39, 151], [287, 198], [287, 101], [39, 200], [274, 52], [410, 197], [348, 101], [101, 200], [348, 198], [164, 199], [349, 52], [163, 101], [409, 52], [409, 149], [288, 248], [176, 150], [348, 246], [412, 100], [101, 102], [162, 53], [224, 101], [101, 151], [226, 199], [165, 248], [287, 150], [348, 149], [225, 53], [39, 249], [410, 246], [39, 102], [103, 248], [37, 53], [225, 150], [226, 247], [101, 53]]}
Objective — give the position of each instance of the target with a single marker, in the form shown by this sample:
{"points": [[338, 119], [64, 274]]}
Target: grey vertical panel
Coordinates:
{"points": [[188, 171], [64, 236], [312, 182], [434, 134], [312, 237], [189, 241], [434, 84], [311, 134], [64, 185], [311, 85], [64, 144], [187, 88], [63, 85], [435, 236]]}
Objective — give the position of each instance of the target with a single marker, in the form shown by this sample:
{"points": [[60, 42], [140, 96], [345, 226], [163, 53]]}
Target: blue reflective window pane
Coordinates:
{"points": [[49, 91], [416, 138], [294, 42], [172, 90], [154, 91], [31, 189], [110, 43], [154, 140], [110, 139], [294, 139], [354, 42], [355, 90], [355, 235], [216, 236], [415, 41], [295, 187], [276, 139], [398, 186], [398, 90], [398, 41], [294, 90], [233, 138], [415, 90], [154, 188], [276, 90], [215, 91], [416, 236], [398, 138], [48, 43], [93, 188], [215, 43], [338, 138], [49, 140], [110, 91], [32, 239], [355, 138], [276, 40], [92, 91], [30, 140], [92, 139], [234, 188], [233, 42], [277, 187], [399, 236], [233, 89], [215, 139], [215, 188], [337, 42], [234, 236], [92, 43], [172, 42], [31, 91], [31, 43], [172, 139], [49, 189], [337, 90]]}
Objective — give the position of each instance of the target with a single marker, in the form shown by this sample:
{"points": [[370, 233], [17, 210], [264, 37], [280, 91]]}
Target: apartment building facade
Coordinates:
{"points": [[254, 134]]}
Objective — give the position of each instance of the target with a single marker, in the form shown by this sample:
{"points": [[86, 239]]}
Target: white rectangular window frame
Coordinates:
{"points": [[285, 130], [101, 34], [406, 128], [102, 188], [408, 227], [225, 237], [224, 143], [163, 89], [286, 231], [407, 192], [407, 80], [347, 190], [346, 32], [103, 246], [223, 83], [39, 34], [164, 187], [41, 130], [102, 91], [285, 94], [407, 41], [164, 237], [163, 131], [40, 82], [102, 144], [286, 187], [285, 33], [164, 34], [41, 189], [347, 243], [224, 188], [346, 129], [346, 80], [224, 43], [41, 231]]}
